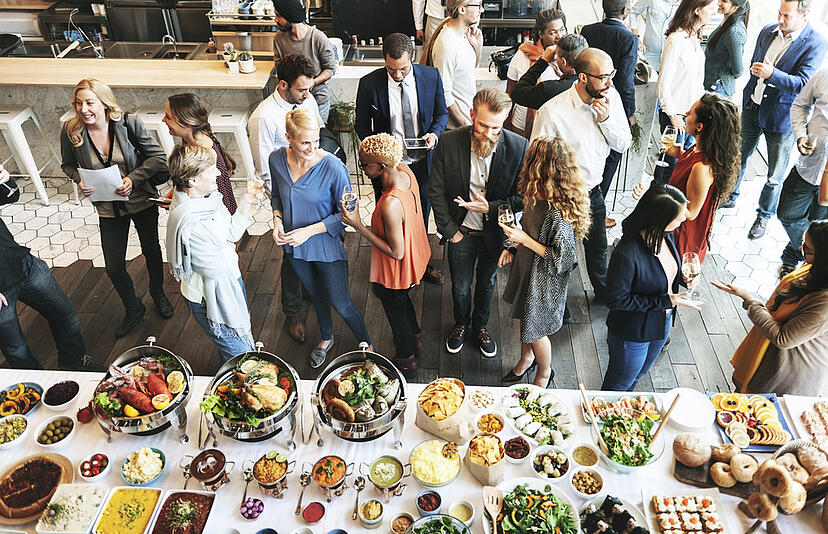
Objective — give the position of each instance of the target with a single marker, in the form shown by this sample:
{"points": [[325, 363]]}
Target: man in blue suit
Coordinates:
{"points": [[612, 36], [405, 100], [785, 57]]}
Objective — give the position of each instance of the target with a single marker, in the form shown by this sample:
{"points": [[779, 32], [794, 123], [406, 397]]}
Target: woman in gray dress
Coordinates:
{"points": [[556, 214]]}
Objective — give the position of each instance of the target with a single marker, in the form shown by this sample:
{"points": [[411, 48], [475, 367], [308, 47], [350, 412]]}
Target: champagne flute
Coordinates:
{"points": [[668, 139], [506, 216], [349, 197], [256, 188], [10, 188], [690, 269]]}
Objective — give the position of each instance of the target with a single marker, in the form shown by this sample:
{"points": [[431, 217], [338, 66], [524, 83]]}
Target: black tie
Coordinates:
{"points": [[408, 119]]}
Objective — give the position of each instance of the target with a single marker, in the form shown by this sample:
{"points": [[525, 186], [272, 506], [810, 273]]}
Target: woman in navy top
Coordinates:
{"points": [[723, 55], [306, 186], [643, 286]]}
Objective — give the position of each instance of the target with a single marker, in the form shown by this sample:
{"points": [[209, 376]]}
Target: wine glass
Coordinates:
{"points": [[506, 216], [255, 187], [349, 198], [10, 189], [690, 269], [668, 139]]}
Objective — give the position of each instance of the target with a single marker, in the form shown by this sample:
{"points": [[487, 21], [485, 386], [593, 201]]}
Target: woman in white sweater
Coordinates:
{"points": [[681, 76]]}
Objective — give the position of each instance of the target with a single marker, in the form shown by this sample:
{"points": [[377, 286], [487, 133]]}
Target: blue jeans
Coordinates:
{"points": [[228, 343], [462, 257], [325, 110], [780, 145], [40, 290], [327, 284], [631, 360], [798, 207]]}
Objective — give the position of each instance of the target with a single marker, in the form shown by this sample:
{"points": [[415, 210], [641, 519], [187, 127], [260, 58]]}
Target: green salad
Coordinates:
{"points": [[440, 525], [526, 510], [628, 439]]}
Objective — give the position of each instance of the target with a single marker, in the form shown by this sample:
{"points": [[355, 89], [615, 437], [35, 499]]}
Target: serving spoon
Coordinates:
{"points": [[359, 485], [304, 480]]}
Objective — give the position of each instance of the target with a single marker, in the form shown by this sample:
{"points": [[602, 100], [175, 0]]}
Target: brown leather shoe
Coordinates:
{"points": [[433, 275], [295, 328], [609, 223], [406, 365], [418, 342]]}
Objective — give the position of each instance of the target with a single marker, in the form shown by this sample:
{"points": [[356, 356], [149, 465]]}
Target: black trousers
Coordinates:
{"points": [[401, 316], [595, 243], [610, 168], [114, 237], [291, 289]]}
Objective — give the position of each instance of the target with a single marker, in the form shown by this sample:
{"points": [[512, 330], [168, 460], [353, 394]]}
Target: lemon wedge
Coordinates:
{"points": [[129, 411], [175, 382], [159, 402]]}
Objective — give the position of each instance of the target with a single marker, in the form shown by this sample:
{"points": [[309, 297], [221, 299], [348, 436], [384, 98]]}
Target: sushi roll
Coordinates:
{"points": [[557, 437], [515, 411], [669, 521], [609, 503], [705, 504], [620, 520], [523, 420], [663, 505], [543, 434], [532, 428], [711, 522], [510, 401], [534, 394], [639, 530]]}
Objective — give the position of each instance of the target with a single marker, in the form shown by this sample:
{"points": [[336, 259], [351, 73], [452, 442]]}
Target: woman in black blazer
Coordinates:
{"points": [[643, 286], [101, 135]]}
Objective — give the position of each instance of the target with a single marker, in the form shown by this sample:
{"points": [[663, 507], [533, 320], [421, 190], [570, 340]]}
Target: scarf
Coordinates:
{"points": [[194, 244], [752, 351]]}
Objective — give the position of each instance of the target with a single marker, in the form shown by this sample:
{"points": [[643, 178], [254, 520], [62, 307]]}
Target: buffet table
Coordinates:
{"points": [[278, 514]]}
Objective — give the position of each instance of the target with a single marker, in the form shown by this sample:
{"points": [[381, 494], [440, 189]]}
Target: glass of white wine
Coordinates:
{"points": [[10, 189], [506, 216], [668, 139], [690, 269], [349, 198], [256, 188]]}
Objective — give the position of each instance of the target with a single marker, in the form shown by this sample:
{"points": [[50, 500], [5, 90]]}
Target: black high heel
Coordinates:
{"points": [[512, 377]]}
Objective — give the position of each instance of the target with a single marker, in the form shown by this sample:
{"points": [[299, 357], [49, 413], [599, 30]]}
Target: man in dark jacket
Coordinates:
{"points": [[28, 279], [613, 37], [475, 170], [528, 92]]}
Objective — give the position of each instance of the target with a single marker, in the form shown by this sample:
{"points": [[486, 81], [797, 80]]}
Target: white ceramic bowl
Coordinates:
{"points": [[60, 407], [60, 443], [545, 449], [401, 514], [463, 502], [518, 461], [589, 446], [17, 440], [100, 475], [371, 523], [497, 415], [657, 447], [596, 475]]}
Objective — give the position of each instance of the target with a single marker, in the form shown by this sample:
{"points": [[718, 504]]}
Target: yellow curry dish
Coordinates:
{"points": [[329, 471], [128, 511]]}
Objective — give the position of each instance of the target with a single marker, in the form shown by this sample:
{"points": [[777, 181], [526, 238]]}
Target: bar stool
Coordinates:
{"points": [[11, 124], [234, 121], [152, 121]]}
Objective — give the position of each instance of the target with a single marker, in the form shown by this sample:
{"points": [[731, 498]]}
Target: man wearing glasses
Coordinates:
{"points": [[591, 118]]}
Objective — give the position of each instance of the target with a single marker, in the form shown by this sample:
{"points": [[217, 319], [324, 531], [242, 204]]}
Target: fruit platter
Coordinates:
{"points": [[752, 422], [253, 397], [538, 414], [20, 399], [144, 392]]}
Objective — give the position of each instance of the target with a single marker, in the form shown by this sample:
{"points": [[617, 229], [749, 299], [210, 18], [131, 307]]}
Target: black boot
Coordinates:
{"points": [[131, 319], [163, 305]]}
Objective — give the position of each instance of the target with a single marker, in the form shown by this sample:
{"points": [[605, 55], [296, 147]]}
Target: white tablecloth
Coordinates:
{"points": [[278, 514]]}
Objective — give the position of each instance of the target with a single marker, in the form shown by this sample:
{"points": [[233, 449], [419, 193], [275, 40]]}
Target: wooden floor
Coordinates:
{"points": [[698, 357]]}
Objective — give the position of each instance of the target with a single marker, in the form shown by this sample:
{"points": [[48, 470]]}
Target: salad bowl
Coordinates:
{"points": [[561, 514], [628, 434]]}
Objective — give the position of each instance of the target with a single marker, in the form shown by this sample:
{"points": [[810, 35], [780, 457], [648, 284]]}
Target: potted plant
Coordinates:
{"points": [[246, 61], [233, 62], [227, 52]]}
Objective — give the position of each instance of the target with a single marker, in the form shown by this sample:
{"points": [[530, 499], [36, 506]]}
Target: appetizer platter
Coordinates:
{"points": [[754, 423], [604, 513], [21, 398], [532, 505], [538, 414], [691, 511], [27, 486], [809, 417], [606, 402], [628, 435]]}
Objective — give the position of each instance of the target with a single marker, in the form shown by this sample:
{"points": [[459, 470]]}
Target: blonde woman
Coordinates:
{"points": [[101, 135], [306, 186], [555, 215]]}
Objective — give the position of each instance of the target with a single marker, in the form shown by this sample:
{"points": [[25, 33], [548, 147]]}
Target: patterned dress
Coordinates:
{"points": [[223, 181], [537, 285]]}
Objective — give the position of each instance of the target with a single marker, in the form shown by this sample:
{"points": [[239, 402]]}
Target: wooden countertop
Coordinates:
{"points": [[153, 73], [25, 5]]}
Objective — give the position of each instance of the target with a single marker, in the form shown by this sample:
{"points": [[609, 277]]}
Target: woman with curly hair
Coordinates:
{"points": [[786, 351], [400, 250], [556, 214]]}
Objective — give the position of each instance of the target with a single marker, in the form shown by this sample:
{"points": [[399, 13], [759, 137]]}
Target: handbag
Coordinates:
{"points": [[501, 60], [159, 178]]}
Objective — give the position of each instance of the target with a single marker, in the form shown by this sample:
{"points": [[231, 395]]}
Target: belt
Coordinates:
{"points": [[469, 232]]}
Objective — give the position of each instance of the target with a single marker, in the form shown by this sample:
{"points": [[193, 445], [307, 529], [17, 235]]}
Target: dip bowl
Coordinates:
{"points": [[270, 471], [386, 474]]}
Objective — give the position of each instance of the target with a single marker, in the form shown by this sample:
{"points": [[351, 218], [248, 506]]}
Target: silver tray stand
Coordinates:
{"points": [[175, 413]]}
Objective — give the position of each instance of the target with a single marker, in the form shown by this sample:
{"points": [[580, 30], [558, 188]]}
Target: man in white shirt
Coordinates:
{"points": [[434, 11], [266, 130], [591, 118], [455, 50], [799, 200]]}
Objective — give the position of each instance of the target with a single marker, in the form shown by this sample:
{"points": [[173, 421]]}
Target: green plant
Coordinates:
{"points": [[637, 132], [341, 119], [245, 56], [228, 48], [234, 56]]}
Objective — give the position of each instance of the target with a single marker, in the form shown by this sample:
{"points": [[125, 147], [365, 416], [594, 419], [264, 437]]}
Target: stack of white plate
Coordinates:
{"points": [[693, 412]]}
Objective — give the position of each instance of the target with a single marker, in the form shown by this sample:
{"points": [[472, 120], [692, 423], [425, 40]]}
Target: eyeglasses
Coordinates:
{"points": [[362, 164], [603, 77], [475, 5]]}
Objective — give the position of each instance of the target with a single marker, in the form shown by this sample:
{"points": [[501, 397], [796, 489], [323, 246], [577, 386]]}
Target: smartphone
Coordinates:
{"points": [[159, 201], [416, 143]]}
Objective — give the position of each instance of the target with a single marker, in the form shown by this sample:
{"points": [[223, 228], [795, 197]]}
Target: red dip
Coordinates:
{"points": [[184, 512], [61, 392], [428, 501], [313, 512]]}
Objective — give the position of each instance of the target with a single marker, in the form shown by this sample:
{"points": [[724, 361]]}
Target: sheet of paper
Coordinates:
{"points": [[104, 181]]}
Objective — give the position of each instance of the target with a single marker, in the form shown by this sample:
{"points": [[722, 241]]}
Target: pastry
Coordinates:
{"points": [[27, 490], [691, 449], [811, 458], [723, 453], [774, 478], [743, 466], [793, 499], [722, 475], [762, 507]]}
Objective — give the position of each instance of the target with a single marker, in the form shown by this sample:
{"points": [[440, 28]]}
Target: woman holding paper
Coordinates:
{"points": [[101, 136]]}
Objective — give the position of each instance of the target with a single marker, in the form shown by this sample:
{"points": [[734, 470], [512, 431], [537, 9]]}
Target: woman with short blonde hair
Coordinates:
{"points": [[307, 184], [556, 213]]}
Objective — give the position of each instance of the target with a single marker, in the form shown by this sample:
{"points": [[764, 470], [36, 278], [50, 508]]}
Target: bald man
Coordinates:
{"points": [[591, 118]]}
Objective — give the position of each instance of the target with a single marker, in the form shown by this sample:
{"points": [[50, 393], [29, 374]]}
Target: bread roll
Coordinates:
{"points": [[691, 449], [723, 453], [722, 475], [762, 507], [743, 467], [793, 499]]}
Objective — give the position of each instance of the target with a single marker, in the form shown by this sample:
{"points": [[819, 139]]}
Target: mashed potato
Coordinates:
{"points": [[142, 466], [430, 466]]}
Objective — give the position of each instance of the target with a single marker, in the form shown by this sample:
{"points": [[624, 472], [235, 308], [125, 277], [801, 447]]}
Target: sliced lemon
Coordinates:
{"points": [[138, 372], [159, 402], [248, 365], [175, 382], [129, 411]]}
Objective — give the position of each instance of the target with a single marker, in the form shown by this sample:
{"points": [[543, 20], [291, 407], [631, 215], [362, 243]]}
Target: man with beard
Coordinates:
{"points": [[296, 37], [591, 118], [266, 129], [475, 169]]}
